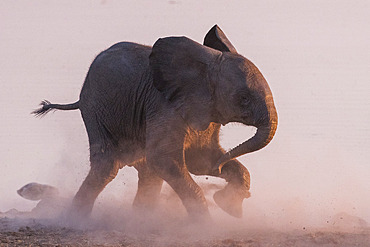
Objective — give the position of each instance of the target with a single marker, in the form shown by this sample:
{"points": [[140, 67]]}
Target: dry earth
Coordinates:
{"points": [[168, 226], [33, 232]]}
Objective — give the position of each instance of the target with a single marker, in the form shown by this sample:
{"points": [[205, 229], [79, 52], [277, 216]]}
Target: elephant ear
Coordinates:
{"points": [[216, 39], [180, 69]]}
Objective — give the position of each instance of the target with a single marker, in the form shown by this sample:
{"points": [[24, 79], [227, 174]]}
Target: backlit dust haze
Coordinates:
{"points": [[315, 56]]}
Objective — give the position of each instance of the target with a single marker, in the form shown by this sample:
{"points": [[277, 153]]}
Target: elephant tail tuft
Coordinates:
{"points": [[47, 107]]}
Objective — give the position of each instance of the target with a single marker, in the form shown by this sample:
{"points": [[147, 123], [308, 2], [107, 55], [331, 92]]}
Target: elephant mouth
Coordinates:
{"points": [[240, 123]]}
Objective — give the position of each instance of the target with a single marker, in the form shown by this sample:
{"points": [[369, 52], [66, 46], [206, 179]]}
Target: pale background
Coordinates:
{"points": [[314, 54]]}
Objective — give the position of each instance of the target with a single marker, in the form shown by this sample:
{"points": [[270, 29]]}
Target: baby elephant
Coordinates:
{"points": [[160, 109]]}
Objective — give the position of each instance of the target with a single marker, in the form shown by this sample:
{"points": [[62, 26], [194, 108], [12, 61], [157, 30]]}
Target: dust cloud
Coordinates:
{"points": [[311, 180], [114, 222]]}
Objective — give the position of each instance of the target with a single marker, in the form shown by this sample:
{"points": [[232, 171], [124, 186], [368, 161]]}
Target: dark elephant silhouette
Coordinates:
{"points": [[160, 110]]}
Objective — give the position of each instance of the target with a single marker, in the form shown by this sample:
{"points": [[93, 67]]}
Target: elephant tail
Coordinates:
{"points": [[47, 106]]}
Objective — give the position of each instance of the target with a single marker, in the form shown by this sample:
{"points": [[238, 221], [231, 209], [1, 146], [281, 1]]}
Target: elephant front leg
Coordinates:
{"points": [[166, 159], [165, 136], [174, 172], [230, 198]]}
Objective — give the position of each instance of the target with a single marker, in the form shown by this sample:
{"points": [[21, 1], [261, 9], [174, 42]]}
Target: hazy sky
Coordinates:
{"points": [[314, 54]]}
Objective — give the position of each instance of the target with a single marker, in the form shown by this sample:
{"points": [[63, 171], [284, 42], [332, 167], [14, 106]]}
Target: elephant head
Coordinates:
{"points": [[213, 83], [254, 100]]}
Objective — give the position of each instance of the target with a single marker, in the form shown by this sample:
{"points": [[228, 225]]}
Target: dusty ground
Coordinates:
{"points": [[32, 232], [168, 225]]}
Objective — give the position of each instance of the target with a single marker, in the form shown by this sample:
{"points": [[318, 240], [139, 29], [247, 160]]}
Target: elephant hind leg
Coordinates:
{"points": [[149, 187], [103, 170]]}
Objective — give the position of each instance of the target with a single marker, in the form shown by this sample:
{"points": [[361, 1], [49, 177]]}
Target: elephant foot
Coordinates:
{"points": [[230, 199], [78, 212]]}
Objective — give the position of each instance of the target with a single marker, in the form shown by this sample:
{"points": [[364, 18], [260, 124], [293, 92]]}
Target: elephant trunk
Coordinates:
{"points": [[265, 133]]}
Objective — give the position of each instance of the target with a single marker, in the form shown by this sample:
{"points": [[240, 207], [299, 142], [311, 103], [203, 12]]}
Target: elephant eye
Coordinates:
{"points": [[245, 105], [244, 99]]}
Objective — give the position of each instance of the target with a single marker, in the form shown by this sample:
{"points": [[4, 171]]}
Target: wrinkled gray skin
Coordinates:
{"points": [[160, 109]]}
